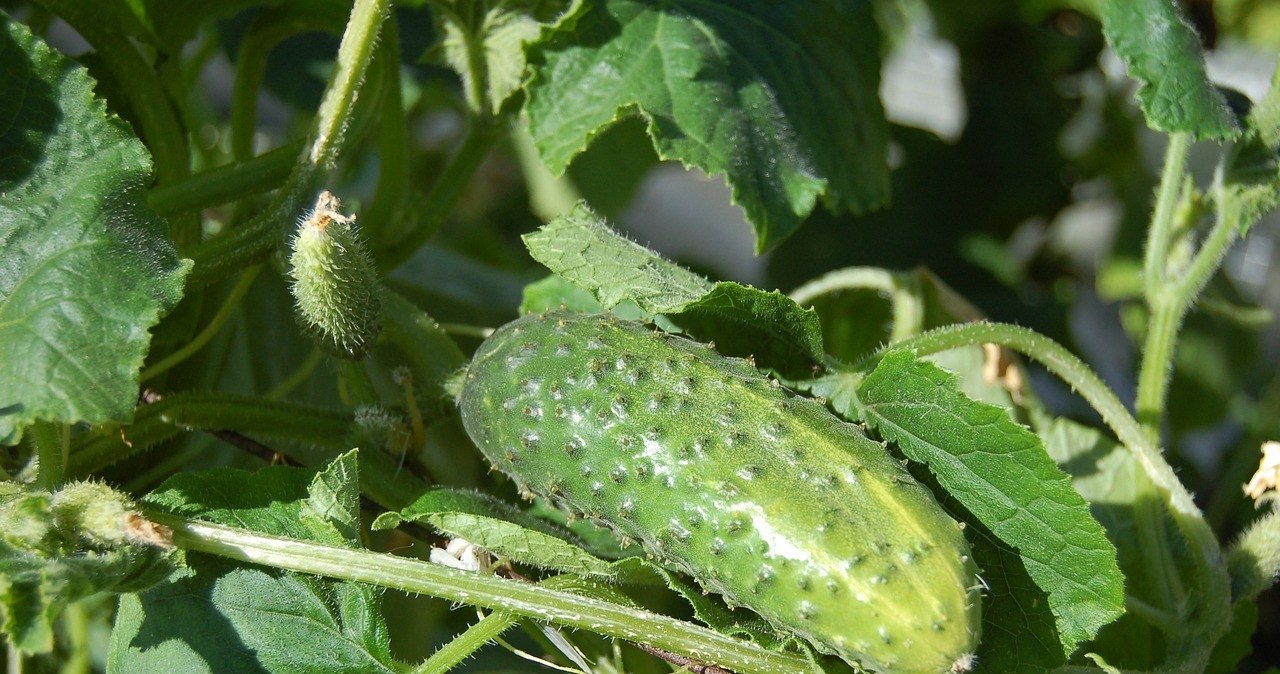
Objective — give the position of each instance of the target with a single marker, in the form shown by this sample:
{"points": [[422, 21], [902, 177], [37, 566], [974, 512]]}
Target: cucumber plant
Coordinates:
{"points": [[239, 433]]}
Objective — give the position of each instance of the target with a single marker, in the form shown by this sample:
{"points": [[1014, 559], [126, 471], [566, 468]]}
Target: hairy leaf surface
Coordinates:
{"points": [[224, 616], [86, 268]]}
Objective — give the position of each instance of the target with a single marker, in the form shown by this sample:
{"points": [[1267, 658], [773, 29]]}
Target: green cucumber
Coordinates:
{"points": [[334, 282], [759, 494]]}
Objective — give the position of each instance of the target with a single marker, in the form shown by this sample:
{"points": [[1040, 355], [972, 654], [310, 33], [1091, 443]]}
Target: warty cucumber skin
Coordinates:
{"points": [[762, 496]]}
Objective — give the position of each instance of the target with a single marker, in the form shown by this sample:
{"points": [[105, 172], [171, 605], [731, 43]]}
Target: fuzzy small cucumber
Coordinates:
{"points": [[761, 495], [334, 282]]}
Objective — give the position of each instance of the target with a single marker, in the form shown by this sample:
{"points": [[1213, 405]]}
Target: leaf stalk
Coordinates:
{"points": [[525, 599]]}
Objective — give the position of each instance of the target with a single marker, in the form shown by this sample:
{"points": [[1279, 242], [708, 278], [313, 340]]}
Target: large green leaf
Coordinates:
{"points": [[1163, 54], [781, 97], [85, 266], [999, 471], [223, 616], [741, 320]]}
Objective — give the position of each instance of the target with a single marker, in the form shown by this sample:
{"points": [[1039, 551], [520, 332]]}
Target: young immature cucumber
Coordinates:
{"points": [[335, 284], [761, 495]]}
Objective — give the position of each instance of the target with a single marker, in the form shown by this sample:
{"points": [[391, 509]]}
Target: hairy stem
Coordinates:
{"points": [[226, 183], [524, 599], [174, 414], [1169, 306], [462, 646], [263, 234], [1160, 234], [354, 54]]}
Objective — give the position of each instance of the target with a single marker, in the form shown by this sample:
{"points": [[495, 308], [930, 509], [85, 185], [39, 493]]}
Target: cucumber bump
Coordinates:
{"points": [[760, 495]]}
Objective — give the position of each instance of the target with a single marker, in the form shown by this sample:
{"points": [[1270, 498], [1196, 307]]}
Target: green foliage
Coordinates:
{"points": [[729, 89], [87, 268], [147, 400], [500, 31], [999, 472], [742, 320], [244, 618], [581, 248], [57, 548]]}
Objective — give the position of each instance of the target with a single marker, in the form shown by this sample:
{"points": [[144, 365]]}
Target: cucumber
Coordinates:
{"points": [[762, 496], [334, 282]]}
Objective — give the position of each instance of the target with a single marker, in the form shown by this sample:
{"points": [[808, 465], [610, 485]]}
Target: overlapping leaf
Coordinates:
{"points": [[741, 320], [999, 471], [495, 526], [499, 31], [580, 247]]}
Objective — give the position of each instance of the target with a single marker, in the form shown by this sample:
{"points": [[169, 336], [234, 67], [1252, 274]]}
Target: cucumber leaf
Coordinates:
{"points": [[767, 326], [224, 616], [1163, 54], [582, 248], [555, 293], [1019, 633], [999, 471], [741, 320], [86, 267], [782, 98]]}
